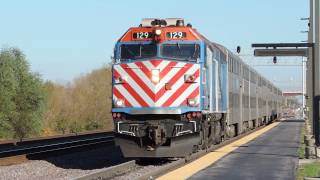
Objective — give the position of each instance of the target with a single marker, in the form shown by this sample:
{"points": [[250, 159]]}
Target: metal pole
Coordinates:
{"points": [[316, 72], [309, 68], [303, 87]]}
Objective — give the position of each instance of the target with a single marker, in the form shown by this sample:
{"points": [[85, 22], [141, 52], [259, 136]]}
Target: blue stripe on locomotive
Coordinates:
{"points": [[179, 110]]}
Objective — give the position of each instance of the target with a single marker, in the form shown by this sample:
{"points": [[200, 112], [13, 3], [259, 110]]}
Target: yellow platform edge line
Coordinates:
{"points": [[190, 169]]}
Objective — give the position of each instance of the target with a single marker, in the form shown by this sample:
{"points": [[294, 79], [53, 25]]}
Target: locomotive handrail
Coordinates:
{"points": [[133, 67], [177, 66]]}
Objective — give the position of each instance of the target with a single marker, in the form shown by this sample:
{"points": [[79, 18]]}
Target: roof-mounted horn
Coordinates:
{"points": [[149, 22]]}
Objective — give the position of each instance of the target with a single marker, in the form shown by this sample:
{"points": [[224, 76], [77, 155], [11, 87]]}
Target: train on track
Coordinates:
{"points": [[175, 92]]}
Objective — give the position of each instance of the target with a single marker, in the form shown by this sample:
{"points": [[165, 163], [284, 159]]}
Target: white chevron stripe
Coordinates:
{"points": [[163, 65], [135, 86], [175, 86], [156, 87], [168, 76], [148, 64], [186, 93], [127, 96], [142, 76]]}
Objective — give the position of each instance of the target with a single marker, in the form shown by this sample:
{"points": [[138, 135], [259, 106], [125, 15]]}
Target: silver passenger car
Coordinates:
{"points": [[252, 99]]}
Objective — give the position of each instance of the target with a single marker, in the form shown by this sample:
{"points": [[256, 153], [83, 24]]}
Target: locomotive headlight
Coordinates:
{"points": [[119, 103], [192, 102], [155, 75], [158, 32]]}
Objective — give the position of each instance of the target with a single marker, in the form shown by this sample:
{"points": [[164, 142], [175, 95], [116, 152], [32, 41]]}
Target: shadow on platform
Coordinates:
{"points": [[293, 121]]}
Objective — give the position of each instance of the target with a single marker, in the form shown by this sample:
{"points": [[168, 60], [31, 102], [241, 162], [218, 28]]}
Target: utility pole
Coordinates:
{"points": [[316, 72], [303, 87], [309, 68]]}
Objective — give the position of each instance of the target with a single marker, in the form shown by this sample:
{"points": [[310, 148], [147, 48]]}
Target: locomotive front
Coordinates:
{"points": [[157, 88]]}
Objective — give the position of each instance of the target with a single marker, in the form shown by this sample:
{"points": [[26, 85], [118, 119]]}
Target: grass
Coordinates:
{"points": [[306, 170], [309, 170], [301, 150]]}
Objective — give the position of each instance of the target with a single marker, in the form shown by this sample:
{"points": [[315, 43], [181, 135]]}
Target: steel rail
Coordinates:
{"points": [[32, 149], [54, 144], [110, 172]]}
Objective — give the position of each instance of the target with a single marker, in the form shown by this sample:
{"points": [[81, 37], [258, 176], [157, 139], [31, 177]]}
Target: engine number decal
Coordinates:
{"points": [[142, 35], [176, 35]]}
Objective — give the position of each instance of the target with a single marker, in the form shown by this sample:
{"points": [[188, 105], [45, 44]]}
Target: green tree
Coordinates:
{"points": [[91, 97], [8, 86], [56, 118], [61, 124], [82, 105], [22, 96]]}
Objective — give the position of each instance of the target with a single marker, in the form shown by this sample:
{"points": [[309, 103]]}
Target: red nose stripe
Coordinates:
{"points": [[144, 69], [167, 69], [116, 75], [179, 74], [138, 80], [194, 94], [155, 62], [120, 96], [140, 92], [134, 94], [179, 91]]}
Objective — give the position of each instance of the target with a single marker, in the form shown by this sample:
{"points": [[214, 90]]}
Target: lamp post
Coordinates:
{"points": [[303, 87]]}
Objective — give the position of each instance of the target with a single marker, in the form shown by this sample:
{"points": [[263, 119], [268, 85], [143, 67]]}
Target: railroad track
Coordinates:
{"points": [[53, 145], [111, 172]]}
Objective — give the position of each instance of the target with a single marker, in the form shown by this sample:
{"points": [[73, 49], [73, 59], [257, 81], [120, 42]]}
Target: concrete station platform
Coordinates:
{"points": [[269, 153], [272, 155]]}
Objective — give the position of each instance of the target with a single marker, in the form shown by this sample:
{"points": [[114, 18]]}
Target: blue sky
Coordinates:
{"points": [[65, 39]]}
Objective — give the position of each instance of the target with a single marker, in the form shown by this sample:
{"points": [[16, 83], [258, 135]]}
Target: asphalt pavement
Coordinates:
{"points": [[272, 155]]}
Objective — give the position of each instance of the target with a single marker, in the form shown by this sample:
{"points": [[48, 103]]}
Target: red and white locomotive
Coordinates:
{"points": [[172, 87]]}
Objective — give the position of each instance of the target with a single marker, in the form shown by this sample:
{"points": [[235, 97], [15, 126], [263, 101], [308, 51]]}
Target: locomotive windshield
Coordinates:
{"points": [[181, 51], [176, 51], [138, 51]]}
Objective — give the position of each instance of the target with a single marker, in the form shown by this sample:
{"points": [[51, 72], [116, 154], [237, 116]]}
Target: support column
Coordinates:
{"points": [[303, 87], [309, 73], [316, 72]]}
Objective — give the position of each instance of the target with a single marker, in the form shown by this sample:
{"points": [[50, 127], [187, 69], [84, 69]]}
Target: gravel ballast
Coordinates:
{"points": [[63, 167], [71, 166], [39, 169]]}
